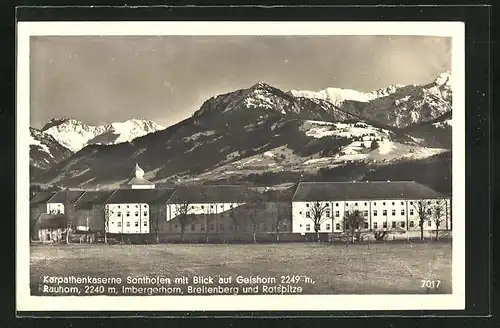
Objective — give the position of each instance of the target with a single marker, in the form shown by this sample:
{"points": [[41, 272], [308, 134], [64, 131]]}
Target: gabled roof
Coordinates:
{"points": [[148, 196], [93, 197], [66, 196], [323, 191], [279, 195], [136, 181], [51, 221], [138, 178], [41, 197], [212, 194]]}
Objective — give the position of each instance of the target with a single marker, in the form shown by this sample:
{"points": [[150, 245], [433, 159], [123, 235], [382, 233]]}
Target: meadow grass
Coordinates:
{"points": [[391, 268]]}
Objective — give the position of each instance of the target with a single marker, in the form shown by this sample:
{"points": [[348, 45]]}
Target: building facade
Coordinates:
{"points": [[237, 211], [226, 209], [89, 211], [385, 206], [127, 211]]}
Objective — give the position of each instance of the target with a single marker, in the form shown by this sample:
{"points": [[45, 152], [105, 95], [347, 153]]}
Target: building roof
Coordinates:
{"points": [[138, 178], [133, 196], [66, 196], [41, 197], [323, 191], [137, 181], [90, 198], [279, 195], [51, 221], [211, 194]]}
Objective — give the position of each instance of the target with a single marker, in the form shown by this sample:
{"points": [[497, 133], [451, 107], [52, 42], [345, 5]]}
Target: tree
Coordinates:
{"points": [[423, 213], [68, 229], [158, 220], [255, 204], [438, 209], [280, 218], [353, 219], [374, 145], [209, 218], [107, 213], [182, 213], [317, 215], [235, 222]]}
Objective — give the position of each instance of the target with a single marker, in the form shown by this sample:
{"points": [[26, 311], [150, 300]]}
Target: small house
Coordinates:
{"points": [[63, 202], [51, 227], [38, 205]]}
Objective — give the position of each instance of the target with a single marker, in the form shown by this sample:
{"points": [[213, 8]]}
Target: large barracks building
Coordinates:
{"points": [[138, 211]]}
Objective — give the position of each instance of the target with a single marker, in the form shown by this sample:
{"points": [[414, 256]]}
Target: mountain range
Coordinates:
{"points": [[262, 134], [75, 135]]}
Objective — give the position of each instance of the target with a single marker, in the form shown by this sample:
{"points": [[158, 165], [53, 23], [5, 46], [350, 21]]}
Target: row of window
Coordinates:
{"points": [[365, 213], [211, 206], [211, 227], [375, 203], [127, 224], [402, 224], [136, 206], [127, 214]]}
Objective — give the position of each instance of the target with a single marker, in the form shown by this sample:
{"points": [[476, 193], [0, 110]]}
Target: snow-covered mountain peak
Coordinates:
{"points": [[398, 105], [260, 84], [45, 150], [74, 134], [336, 96]]}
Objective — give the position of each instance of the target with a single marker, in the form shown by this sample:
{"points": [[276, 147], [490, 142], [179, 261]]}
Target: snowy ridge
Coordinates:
{"points": [[45, 150], [337, 96], [396, 105], [35, 141], [75, 135], [262, 130]]}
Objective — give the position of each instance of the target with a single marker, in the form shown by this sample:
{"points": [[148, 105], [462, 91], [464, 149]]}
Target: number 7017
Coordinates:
{"points": [[430, 283]]}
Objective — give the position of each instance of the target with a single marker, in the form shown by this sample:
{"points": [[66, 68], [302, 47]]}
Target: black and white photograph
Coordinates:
{"points": [[240, 166]]}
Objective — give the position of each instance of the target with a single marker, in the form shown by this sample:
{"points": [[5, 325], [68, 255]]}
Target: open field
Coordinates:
{"points": [[392, 268]]}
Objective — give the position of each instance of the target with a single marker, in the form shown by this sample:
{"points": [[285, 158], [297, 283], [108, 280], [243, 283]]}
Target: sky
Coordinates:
{"points": [[105, 79]]}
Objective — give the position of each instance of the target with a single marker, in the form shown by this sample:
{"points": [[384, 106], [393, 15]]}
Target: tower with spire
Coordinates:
{"points": [[137, 180]]}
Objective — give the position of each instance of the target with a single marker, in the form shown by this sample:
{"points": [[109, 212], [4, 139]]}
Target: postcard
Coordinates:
{"points": [[240, 166]]}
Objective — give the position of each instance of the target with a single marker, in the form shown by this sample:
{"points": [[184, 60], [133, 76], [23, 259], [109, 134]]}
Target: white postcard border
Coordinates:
{"points": [[26, 302]]}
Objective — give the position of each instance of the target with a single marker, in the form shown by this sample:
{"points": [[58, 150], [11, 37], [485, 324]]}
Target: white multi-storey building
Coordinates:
{"points": [[128, 209], [205, 202], [385, 205], [206, 199]]}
